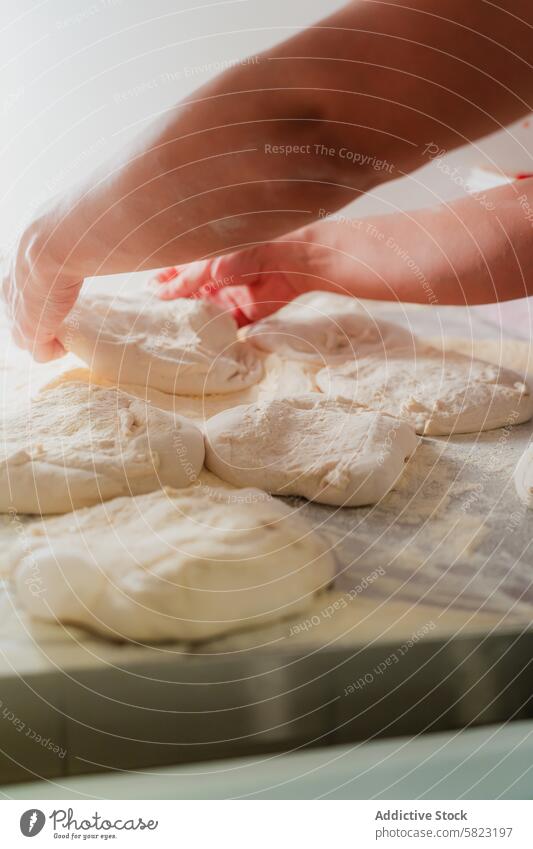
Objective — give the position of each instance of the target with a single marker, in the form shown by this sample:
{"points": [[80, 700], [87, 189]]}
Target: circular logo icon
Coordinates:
{"points": [[32, 822]]}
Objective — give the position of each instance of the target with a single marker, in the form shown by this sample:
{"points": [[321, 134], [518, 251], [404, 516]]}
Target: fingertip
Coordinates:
{"points": [[165, 276], [44, 352]]}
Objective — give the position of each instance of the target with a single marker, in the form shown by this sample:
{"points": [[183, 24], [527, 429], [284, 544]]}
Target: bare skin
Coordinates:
{"points": [[381, 80], [477, 250]]}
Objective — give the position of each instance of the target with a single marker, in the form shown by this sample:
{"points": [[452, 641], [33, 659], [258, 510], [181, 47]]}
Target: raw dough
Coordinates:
{"points": [[523, 476], [322, 328], [77, 445], [511, 353], [326, 450], [185, 347], [173, 565], [438, 393], [281, 378]]}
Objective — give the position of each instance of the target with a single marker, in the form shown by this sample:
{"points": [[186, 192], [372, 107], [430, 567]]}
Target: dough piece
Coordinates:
{"points": [[322, 328], [77, 445], [511, 353], [184, 347], [523, 477], [326, 450], [285, 378], [438, 393], [173, 565], [281, 378]]}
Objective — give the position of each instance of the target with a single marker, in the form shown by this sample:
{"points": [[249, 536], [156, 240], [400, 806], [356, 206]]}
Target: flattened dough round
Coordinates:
{"points": [[326, 450], [523, 476], [183, 347], [438, 393], [322, 328], [172, 565], [80, 444]]}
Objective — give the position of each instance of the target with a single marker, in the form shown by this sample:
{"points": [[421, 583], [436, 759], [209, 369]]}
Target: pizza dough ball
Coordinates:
{"points": [[321, 327], [523, 477], [79, 444], [172, 565], [438, 393], [325, 450], [183, 347]]}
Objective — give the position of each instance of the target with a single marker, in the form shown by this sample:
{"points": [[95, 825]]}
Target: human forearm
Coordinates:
{"points": [[475, 250]]}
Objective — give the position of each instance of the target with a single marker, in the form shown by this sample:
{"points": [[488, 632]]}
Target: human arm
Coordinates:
{"points": [[475, 250], [381, 80]]}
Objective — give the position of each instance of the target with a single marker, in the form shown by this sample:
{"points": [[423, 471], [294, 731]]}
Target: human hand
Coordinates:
{"points": [[251, 283], [37, 295]]}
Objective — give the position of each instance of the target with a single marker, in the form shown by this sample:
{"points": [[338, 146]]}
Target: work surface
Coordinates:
{"points": [[445, 556]]}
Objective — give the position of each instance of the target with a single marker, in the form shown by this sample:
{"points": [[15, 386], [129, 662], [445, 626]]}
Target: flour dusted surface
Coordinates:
{"points": [[77, 444]]}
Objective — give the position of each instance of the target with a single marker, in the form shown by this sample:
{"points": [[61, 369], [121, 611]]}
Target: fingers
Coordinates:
{"points": [[182, 281], [41, 351], [235, 300], [37, 312], [244, 283], [165, 276], [211, 279], [47, 351], [204, 278], [42, 348], [248, 304]]}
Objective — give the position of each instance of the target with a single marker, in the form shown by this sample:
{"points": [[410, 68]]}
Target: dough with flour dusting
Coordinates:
{"points": [[326, 450], [78, 445], [523, 476], [184, 347], [438, 393], [172, 565], [281, 378], [322, 328]]}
